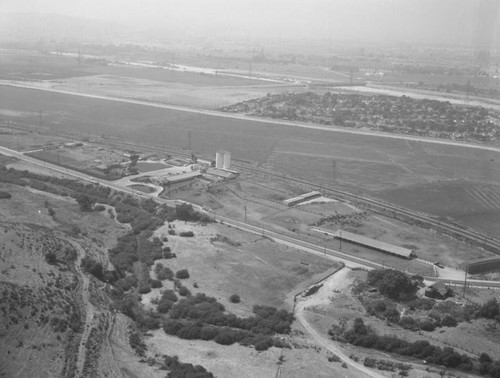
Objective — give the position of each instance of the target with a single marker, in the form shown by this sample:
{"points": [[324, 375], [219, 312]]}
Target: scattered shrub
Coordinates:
{"points": [[169, 295], [183, 291], [164, 306], [183, 370], [155, 284], [135, 341], [263, 343], [144, 288], [5, 195], [163, 272], [51, 258], [235, 298], [182, 274], [448, 321], [489, 310]]}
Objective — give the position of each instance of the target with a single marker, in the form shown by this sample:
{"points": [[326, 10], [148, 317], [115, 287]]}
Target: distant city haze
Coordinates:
{"points": [[471, 23]]}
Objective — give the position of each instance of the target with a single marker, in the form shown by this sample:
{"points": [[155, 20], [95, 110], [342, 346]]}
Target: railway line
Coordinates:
{"points": [[487, 242], [460, 232]]}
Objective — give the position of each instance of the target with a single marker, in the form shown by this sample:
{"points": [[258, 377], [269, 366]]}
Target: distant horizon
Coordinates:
{"points": [[467, 23]]}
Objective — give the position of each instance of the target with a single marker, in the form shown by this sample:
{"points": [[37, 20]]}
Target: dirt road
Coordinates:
{"points": [[338, 280]]}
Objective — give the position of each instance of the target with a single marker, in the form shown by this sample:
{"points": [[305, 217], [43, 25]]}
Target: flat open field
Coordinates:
{"points": [[138, 82], [239, 361], [24, 66], [473, 204], [17, 65], [368, 163], [258, 270]]}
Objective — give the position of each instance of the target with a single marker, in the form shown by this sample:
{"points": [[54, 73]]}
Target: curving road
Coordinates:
{"points": [[332, 347]]}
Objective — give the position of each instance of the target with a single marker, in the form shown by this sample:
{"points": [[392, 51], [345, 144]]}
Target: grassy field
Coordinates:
{"points": [[473, 204], [368, 163], [24, 66], [258, 270], [16, 65]]}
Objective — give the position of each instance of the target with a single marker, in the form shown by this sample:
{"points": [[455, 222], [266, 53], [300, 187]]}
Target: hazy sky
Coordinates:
{"points": [[456, 21]]}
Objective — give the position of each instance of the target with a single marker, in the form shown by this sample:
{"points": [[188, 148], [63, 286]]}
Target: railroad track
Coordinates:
{"points": [[474, 237], [487, 242]]}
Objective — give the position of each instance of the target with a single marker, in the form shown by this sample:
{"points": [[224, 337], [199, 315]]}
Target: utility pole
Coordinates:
{"points": [[465, 279], [467, 92], [245, 213], [334, 170]]}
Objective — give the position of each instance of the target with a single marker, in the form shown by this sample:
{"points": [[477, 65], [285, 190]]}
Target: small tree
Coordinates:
{"points": [[182, 274], [235, 298], [85, 202]]}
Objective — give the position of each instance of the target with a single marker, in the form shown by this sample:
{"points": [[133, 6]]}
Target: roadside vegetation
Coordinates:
{"points": [[391, 296], [201, 317]]}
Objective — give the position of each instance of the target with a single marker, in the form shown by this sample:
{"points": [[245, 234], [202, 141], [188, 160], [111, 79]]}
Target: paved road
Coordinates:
{"points": [[255, 119]]}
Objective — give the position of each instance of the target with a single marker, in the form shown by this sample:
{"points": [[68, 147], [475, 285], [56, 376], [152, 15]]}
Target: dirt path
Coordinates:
{"points": [[337, 281], [84, 284]]}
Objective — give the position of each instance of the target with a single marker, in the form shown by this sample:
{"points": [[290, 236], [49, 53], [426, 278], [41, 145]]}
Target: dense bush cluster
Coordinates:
{"points": [[93, 267], [167, 300], [179, 369], [182, 274], [392, 283], [235, 298], [163, 272], [185, 212], [130, 306], [4, 195], [361, 335], [191, 330], [202, 317], [207, 310], [55, 185], [224, 239], [490, 310], [135, 341], [134, 247]]}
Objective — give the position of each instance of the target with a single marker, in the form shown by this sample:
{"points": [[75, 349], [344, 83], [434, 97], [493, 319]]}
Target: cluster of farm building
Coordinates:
{"points": [[402, 115]]}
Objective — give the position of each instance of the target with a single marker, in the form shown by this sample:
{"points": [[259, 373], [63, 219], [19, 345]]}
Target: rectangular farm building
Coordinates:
{"points": [[374, 244], [178, 178], [486, 264], [301, 198]]}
